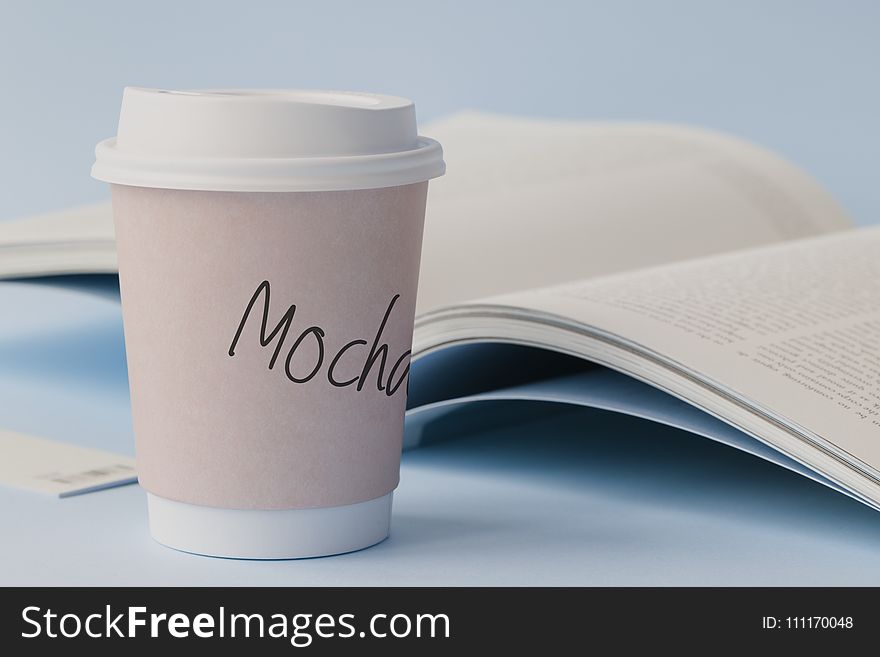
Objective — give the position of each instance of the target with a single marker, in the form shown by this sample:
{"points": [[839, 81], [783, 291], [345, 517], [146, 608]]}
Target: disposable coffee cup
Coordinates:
{"points": [[268, 246]]}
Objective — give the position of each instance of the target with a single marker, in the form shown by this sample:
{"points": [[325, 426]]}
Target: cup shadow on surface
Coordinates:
{"points": [[91, 354]]}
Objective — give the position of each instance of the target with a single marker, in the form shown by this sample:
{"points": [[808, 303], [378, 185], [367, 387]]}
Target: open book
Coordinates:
{"points": [[661, 271]]}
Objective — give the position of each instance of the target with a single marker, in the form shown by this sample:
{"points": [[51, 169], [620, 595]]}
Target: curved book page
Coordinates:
{"points": [[527, 203], [607, 390], [781, 342], [75, 241]]}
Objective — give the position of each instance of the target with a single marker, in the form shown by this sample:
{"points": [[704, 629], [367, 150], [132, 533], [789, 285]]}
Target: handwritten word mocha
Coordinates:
{"points": [[377, 352]]}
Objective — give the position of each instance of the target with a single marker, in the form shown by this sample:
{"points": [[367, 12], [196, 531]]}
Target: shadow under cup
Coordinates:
{"points": [[268, 337]]}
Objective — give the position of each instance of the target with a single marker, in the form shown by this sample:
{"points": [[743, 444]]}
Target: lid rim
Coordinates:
{"points": [[334, 173], [265, 140]]}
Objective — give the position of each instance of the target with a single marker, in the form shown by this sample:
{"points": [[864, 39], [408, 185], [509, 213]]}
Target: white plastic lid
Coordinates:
{"points": [[266, 141]]}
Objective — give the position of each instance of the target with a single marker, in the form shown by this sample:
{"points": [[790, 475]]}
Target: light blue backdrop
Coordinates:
{"points": [[564, 498], [799, 77]]}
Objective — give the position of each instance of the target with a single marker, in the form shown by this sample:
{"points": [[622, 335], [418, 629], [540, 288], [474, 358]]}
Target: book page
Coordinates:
{"points": [[85, 223], [527, 203], [77, 240], [794, 328]]}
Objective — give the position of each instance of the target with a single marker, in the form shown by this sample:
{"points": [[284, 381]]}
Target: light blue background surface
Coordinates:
{"points": [[556, 497], [798, 76]]}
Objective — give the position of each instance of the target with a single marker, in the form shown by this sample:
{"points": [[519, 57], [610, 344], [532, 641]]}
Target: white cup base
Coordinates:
{"points": [[269, 534]]}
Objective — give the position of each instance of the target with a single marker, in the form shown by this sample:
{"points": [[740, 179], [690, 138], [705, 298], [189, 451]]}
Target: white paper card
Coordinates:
{"points": [[59, 469]]}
